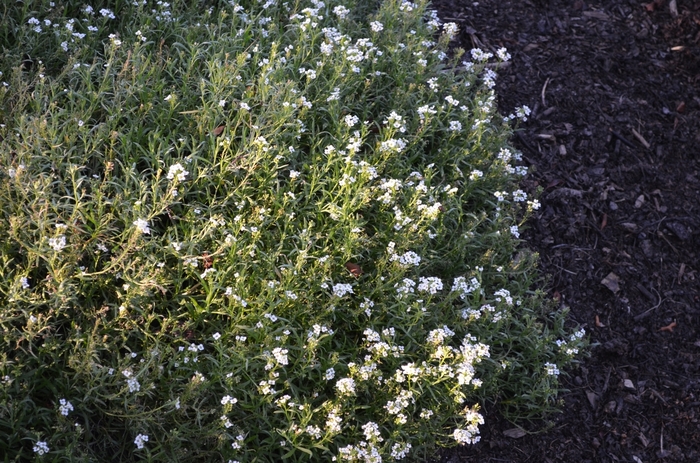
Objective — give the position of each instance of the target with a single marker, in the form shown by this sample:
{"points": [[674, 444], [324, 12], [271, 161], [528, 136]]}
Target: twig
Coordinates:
{"points": [[623, 139], [647, 312], [641, 139], [544, 89], [646, 292]]}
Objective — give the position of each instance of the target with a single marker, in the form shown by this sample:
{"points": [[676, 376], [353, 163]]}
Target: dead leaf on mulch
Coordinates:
{"points": [[655, 5], [514, 433], [612, 282]]}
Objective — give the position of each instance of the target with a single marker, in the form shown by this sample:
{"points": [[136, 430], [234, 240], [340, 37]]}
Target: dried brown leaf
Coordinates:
{"points": [[355, 269]]}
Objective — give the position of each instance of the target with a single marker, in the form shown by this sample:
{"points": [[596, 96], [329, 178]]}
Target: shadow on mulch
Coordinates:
{"points": [[614, 141]]}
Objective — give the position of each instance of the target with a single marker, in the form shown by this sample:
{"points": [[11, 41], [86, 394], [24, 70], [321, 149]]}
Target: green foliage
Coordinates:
{"points": [[258, 232]]}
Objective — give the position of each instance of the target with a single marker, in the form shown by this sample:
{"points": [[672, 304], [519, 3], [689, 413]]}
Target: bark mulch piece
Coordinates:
{"points": [[614, 142]]}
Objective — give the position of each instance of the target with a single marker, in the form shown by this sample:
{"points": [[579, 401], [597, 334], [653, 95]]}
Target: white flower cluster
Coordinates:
{"points": [[341, 289], [405, 287], [140, 440], [396, 407], [470, 435], [407, 259], [395, 121], [316, 331], [392, 145], [178, 172], [65, 407], [429, 284], [345, 386], [465, 288], [552, 369]]}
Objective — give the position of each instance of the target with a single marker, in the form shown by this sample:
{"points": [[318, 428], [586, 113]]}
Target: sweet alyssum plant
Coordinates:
{"points": [[258, 231]]}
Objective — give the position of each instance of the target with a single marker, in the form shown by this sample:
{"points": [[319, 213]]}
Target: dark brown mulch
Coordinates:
{"points": [[614, 141]]}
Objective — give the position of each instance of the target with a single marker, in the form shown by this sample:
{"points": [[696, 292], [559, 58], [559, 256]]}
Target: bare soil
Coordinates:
{"points": [[614, 143]]}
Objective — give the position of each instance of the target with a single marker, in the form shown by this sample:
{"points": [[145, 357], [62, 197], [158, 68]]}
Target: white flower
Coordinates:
{"points": [[65, 408], [280, 355], [455, 126], [552, 369], [341, 12], [25, 282], [351, 120], [399, 450], [430, 284], [393, 145], [522, 112], [222, 103], [314, 431], [229, 400], [371, 432], [58, 243], [140, 440], [177, 171], [345, 386], [41, 448], [376, 26], [503, 54], [480, 55], [142, 225], [341, 289], [133, 384], [405, 287], [450, 29], [108, 14], [514, 231], [465, 436], [216, 336], [329, 375]]}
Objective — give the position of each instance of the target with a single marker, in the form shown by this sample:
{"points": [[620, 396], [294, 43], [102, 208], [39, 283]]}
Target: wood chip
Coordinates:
{"points": [[566, 193], [514, 433], [612, 282], [596, 15], [643, 439], [673, 8], [592, 399], [641, 139]]}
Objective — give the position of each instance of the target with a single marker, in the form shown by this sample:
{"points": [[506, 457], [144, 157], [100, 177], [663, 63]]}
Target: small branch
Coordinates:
{"points": [[623, 139], [641, 139], [544, 89]]}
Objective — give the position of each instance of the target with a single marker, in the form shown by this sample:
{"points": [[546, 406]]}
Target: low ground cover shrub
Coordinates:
{"points": [[259, 231]]}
